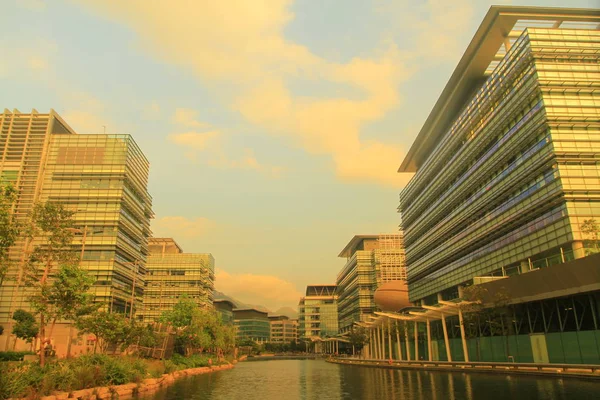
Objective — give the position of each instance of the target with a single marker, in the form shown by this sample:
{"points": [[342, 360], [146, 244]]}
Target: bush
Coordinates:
{"points": [[20, 381], [13, 355]]}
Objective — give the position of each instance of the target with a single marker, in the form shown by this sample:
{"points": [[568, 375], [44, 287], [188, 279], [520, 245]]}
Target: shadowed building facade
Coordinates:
{"points": [[103, 179], [506, 172], [251, 324], [318, 312], [225, 309], [371, 260], [173, 274]]}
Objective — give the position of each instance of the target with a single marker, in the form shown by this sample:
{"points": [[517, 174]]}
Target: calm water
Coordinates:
{"points": [[316, 379]]}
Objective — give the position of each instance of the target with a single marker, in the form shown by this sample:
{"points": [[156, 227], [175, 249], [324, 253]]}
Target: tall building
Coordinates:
{"points": [[103, 179], [371, 260], [251, 324], [317, 312], [173, 274], [283, 329], [506, 172]]}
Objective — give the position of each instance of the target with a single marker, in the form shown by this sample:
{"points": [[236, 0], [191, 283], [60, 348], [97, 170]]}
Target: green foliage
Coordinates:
{"points": [[25, 327], [87, 371], [9, 227], [109, 328], [193, 361], [358, 337], [198, 328], [591, 229], [69, 292], [14, 355]]}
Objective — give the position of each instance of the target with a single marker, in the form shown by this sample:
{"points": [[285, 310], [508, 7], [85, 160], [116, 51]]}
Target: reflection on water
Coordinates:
{"points": [[316, 379]]}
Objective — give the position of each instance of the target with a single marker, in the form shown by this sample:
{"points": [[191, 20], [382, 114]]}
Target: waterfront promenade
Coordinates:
{"points": [[576, 370]]}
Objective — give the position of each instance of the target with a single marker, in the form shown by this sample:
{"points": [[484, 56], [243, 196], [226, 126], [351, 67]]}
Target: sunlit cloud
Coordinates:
{"points": [[267, 290], [188, 118], [244, 56], [181, 227]]}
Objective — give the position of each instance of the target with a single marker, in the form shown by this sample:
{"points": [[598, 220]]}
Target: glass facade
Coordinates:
{"points": [[173, 274], [103, 179], [371, 261], [512, 177], [283, 329], [252, 325], [318, 312]]}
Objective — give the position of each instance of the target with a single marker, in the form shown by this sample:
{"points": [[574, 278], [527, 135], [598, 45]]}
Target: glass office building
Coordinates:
{"points": [[370, 261], [283, 329], [103, 179], [318, 312], [506, 171], [251, 324], [173, 274]]}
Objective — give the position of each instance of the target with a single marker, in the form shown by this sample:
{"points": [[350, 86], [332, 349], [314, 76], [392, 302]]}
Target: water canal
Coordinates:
{"points": [[316, 379]]}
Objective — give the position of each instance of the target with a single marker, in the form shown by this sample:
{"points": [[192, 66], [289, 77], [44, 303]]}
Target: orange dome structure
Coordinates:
{"points": [[392, 296]]}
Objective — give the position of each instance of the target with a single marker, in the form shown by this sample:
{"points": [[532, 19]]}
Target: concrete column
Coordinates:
{"points": [[389, 339], [407, 344], [461, 322], [398, 342], [578, 249], [381, 343], [375, 343], [416, 341], [370, 343], [429, 341], [446, 341]]}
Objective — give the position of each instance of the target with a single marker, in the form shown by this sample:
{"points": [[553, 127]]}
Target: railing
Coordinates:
{"points": [[584, 369]]}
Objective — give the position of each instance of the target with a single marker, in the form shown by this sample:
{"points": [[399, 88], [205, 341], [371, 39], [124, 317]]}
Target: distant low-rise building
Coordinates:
{"points": [[252, 324], [283, 329], [225, 309], [173, 274]]}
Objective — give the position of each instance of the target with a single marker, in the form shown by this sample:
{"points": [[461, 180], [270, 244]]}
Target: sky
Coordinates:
{"points": [[274, 128]]}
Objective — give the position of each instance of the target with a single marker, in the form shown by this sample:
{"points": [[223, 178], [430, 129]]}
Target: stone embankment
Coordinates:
{"points": [[128, 390]]}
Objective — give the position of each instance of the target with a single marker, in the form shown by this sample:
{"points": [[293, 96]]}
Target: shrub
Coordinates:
{"points": [[20, 381], [13, 355]]}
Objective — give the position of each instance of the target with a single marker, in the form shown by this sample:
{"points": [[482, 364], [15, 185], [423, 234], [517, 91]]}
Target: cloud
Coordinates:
{"points": [[195, 140], [181, 227], [188, 118], [267, 290], [240, 51], [208, 148]]}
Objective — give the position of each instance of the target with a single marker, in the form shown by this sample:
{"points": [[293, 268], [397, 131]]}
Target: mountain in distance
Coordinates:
{"points": [[287, 311], [238, 304]]}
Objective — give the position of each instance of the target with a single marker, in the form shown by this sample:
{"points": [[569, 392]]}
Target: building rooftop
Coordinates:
{"points": [[501, 26], [165, 243], [354, 243], [320, 290]]}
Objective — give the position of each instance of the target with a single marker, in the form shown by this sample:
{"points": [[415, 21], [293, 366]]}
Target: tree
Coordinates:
{"points": [[25, 327], [51, 224], [9, 227], [358, 337], [108, 328], [591, 229]]}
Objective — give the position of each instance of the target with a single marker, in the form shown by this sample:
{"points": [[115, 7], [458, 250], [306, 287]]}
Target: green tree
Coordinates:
{"points": [[591, 229], [9, 227], [108, 328], [25, 326], [51, 225], [358, 337]]}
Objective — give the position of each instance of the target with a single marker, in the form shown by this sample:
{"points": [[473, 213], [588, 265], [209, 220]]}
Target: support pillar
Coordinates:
{"points": [[416, 341], [407, 344], [371, 344], [398, 342], [446, 341], [461, 322], [389, 339], [429, 341], [381, 343]]}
